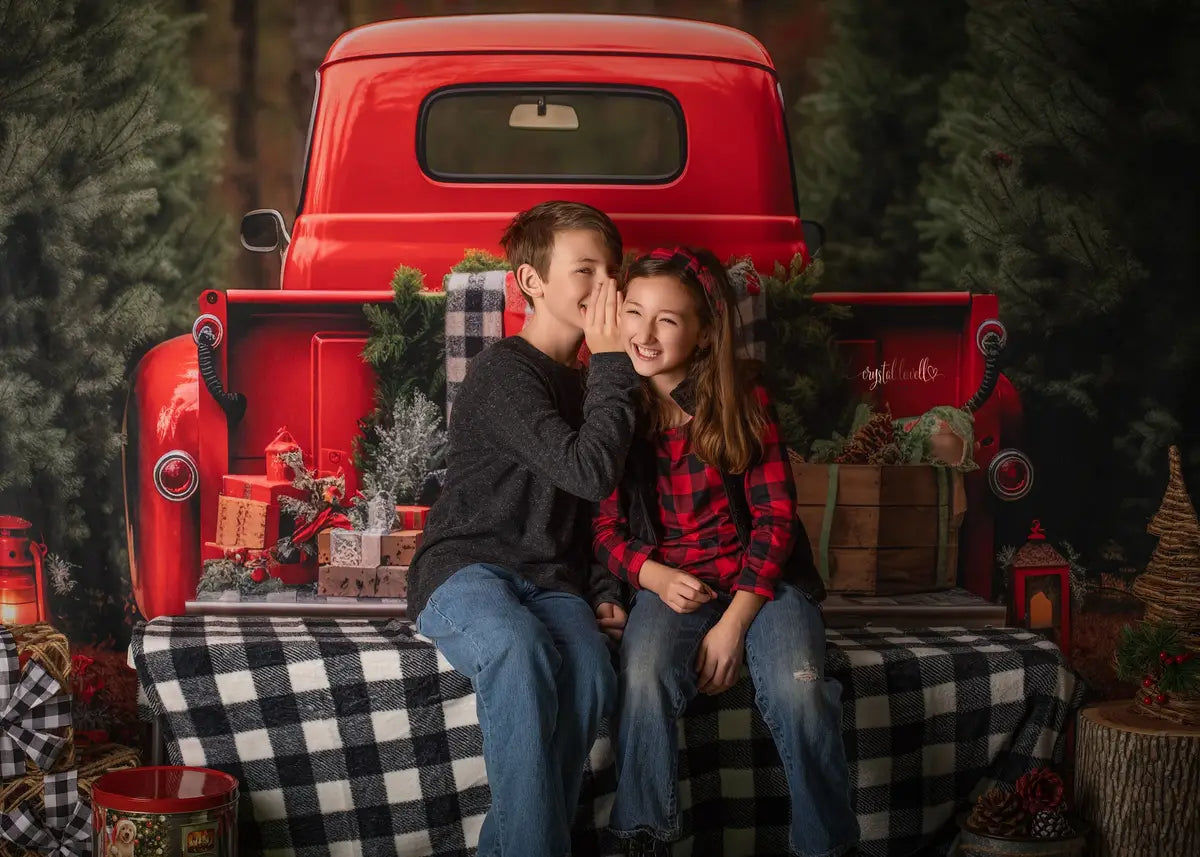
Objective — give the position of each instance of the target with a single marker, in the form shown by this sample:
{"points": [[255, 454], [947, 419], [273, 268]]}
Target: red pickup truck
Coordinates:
{"points": [[427, 135]]}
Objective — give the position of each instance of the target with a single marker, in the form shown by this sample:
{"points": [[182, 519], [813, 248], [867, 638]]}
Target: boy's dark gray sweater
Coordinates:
{"points": [[529, 454]]}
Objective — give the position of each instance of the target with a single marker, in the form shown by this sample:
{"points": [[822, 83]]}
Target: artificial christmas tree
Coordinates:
{"points": [[861, 139], [1160, 652], [404, 453], [406, 348], [1170, 585], [804, 370], [1138, 763], [1068, 159], [108, 156]]}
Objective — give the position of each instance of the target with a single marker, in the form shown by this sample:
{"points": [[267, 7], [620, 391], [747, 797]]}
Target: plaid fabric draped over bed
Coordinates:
{"points": [[354, 736]]}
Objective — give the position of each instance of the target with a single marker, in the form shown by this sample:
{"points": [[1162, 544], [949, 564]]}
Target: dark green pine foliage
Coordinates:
{"points": [[861, 136], [107, 157], [1072, 147], [805, 372], [406, 346]]}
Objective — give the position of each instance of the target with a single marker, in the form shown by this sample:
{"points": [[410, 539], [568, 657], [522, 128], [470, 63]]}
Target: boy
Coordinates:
{"points": [[501, 578]]}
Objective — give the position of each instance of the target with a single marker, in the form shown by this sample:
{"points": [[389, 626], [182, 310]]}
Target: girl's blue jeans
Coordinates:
{"points": [[785, 653]]}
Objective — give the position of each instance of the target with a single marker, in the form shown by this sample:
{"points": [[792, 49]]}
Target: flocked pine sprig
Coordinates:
{"points": [[297, 507], [1080, 584], [320, 491], [404, 453], [62, 581]]}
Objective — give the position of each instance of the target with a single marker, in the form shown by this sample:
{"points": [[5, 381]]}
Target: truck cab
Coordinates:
{"points": [[427, 136]]}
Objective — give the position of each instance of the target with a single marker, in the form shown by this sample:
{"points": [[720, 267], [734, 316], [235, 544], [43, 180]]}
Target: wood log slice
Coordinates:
{"points": [[1137, 780]]}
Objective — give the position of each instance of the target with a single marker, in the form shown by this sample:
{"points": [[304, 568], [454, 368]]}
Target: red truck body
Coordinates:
{"points": [[377, 193]]}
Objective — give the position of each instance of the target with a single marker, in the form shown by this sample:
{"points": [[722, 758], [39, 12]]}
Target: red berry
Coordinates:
{"points": [[1147, 700], [1161, 698], [1147, 682], [1180, 659], [1162, 656]]}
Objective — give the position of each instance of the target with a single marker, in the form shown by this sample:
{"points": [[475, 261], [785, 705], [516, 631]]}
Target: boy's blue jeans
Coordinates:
{"points": [[785, 652], [543, 679]]}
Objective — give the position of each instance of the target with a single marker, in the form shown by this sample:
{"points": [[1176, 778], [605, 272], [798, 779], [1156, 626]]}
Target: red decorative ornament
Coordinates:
{"points": [[1146, 700], [1161, 699], [1179, 659], [258, 575], [1163, 656], [1148, 682]]}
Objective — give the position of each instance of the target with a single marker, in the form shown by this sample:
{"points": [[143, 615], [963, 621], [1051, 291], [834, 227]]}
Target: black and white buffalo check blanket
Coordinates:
{"points": [[355, 737]]}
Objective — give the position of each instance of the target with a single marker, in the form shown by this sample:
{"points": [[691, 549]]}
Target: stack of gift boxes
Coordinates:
{"points": [[250, 521], [356, 564], [45, 779]]}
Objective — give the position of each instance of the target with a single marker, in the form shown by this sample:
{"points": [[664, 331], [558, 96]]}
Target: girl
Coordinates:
{"points": [[703, 527]]}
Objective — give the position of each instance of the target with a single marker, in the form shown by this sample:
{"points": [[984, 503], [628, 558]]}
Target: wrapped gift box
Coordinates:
{"points": [[346, 581], [354, 548], [323, 547], [391, 581], [397, 548], [411, 517], [243, 523], [260, 488]]}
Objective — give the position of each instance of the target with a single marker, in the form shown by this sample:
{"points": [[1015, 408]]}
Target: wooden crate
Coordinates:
{"points": [[886, 523]]}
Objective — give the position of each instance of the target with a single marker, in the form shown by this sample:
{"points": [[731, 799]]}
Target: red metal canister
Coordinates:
{"points": [[165, 810]]}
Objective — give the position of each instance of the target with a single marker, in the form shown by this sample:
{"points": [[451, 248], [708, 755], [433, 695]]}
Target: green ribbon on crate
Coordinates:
{"points": [[831, 492], [943, 488], [943, 538]]}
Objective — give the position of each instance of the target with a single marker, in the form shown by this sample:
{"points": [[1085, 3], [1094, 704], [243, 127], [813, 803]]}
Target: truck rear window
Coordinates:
{"points": [[510, 134]]}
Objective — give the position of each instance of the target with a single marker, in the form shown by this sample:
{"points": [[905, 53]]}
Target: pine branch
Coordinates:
{"points": [[1140, 654]]}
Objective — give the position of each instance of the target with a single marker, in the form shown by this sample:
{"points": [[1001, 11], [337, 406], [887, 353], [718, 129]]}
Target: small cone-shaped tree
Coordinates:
{"points": [[1170, 586]]}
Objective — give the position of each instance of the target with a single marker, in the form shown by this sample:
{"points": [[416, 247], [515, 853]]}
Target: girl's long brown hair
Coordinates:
{"points": [[727, 425]]}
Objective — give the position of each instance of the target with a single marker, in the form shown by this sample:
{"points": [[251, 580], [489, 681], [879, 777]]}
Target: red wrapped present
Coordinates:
{"points": [[411, 517], [257, 487]]}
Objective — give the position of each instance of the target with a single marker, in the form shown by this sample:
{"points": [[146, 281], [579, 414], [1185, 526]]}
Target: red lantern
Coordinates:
{"points": [[282, 444], [22, 583], [1041, 589]]}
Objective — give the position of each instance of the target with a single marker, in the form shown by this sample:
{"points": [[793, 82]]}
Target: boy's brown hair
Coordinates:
{"points": [[529, 238]]}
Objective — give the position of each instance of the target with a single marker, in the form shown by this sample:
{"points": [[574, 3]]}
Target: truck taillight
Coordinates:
{"points": [[1010, 474], [176, 476]]}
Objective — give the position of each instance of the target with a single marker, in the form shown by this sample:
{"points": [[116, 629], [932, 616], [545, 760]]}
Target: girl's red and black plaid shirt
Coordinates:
{"points": [[697, 532]]}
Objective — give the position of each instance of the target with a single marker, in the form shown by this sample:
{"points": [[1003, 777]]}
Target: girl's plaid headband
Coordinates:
{"points": [[686, 259]]}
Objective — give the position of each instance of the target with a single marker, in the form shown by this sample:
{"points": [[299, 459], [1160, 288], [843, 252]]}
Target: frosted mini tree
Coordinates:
{"points": [[403, 454]]}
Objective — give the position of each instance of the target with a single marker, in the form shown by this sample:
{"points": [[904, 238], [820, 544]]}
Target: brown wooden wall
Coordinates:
{"points": [[258, 57]]}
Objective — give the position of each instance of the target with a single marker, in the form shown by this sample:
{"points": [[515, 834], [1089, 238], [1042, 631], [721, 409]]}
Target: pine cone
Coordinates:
{"points": [[1051, 824], [999, 813], [889, 454], [875, 434], [1041, 789]]}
